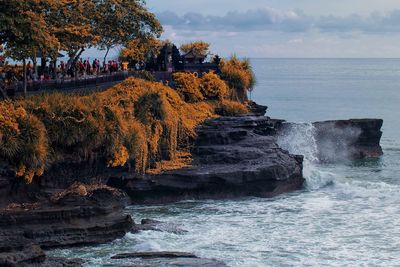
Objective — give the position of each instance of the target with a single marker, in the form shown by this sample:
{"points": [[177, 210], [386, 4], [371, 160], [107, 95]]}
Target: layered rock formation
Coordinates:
{"points": [[80, 215], [233, 156]]}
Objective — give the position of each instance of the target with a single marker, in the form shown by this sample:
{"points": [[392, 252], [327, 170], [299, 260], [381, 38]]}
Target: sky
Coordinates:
{"points": [[285, 28]]}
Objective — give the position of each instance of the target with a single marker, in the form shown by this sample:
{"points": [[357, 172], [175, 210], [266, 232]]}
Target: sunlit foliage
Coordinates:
{"points": [[212, 87], [231, 108], [137, 124], [137, 49], [188, 86], [23, 141], [199, 48], [239, 76]]}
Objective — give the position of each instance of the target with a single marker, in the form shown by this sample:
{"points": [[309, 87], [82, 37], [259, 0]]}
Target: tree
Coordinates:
{"points": [[24, 30], [199, 48], [73, 25], [138, 49], [125, 23]]}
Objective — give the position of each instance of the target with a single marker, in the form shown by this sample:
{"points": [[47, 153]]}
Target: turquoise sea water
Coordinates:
{"points": [[347, 214]]}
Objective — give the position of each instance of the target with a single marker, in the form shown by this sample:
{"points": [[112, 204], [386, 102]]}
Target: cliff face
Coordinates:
{"points": [[233, 156], [80, 215]]}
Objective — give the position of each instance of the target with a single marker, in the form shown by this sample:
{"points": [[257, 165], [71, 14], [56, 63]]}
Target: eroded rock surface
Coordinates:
{"points": [[80, 215], [233, 156]]}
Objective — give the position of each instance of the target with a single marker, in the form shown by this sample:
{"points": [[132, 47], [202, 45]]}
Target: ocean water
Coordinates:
{"points": [[347, 214]]}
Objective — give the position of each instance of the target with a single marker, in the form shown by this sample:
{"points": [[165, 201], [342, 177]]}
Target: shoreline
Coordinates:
{"points": [[242, 140]]}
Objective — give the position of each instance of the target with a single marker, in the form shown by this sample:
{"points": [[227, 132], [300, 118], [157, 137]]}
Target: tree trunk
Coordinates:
{"points": [[105, 56], [3, 93], [34, 61], [73, 57], [42, 64], [25, 80], [54, 67]]}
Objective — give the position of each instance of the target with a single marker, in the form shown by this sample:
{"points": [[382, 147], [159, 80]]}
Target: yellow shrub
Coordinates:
{"points": [[239, 76], [212, 87], [137, 124], [231, 108], [23, 141], [188, 86]]}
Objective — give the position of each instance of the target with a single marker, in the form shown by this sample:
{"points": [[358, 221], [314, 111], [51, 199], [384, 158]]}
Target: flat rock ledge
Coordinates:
{"points": [[80, 215], [232, 157], [168, 259]]}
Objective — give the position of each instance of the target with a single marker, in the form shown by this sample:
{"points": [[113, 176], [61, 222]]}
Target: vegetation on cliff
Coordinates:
{"points": [[137, 123], [239, 76]]}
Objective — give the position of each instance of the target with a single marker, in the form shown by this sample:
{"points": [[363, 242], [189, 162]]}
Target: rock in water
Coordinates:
{"points": [[348, 139], [168, 259], [233, 156]]}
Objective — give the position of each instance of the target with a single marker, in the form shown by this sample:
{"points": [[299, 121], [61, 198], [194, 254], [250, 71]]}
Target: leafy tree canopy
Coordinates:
{"points": [[199, 48]]}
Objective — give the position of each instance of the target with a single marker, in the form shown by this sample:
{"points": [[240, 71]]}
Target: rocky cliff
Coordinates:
{"points": [[233, 156], [80, 215]]}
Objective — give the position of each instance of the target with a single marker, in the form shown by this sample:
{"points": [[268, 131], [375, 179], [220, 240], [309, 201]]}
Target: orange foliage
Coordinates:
{"points": [[212, 87], [231, 108], [138, 123], [239, 76], [199, 48], [188, 86], [23, 141]]}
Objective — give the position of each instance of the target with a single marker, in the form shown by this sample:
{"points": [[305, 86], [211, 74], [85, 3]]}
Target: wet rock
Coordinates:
{"points": [[56, 262], [154, 225], [348, 139], [70, 219], [168, 259], [256, 109], [233, 156], [18, 251]]}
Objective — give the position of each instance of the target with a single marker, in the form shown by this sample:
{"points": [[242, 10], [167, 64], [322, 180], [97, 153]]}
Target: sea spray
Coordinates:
{"points": [[299, 139]]}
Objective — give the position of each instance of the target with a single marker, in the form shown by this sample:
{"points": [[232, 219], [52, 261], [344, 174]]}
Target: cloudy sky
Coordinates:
{"points": [[285, 28]]}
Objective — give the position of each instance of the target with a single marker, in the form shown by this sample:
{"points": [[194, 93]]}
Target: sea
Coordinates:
{"points": [[347, 214]]}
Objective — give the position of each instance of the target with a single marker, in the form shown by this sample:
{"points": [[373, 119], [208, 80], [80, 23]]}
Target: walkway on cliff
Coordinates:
{"points": [[83, 84]]}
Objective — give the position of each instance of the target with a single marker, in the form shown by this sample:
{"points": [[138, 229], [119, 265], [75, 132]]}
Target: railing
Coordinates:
{"points": [[89, 83]]}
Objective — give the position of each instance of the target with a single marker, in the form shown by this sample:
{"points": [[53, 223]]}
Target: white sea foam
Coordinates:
{"points": [[299, 139]]}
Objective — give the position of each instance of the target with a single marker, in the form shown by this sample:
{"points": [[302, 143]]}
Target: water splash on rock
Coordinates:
{"points": [[300, 139]]}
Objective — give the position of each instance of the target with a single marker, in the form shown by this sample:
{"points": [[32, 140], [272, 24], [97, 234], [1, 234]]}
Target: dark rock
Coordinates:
{"points": [[56, 262], [153, 225], [149, 221], [77, 216], [168, 259], [162, 254], [256, 109], [19, 251], [348, 139], [233, 156]]}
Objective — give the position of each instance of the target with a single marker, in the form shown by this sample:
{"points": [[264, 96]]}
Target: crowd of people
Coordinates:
{"points": [[13, 74]]}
